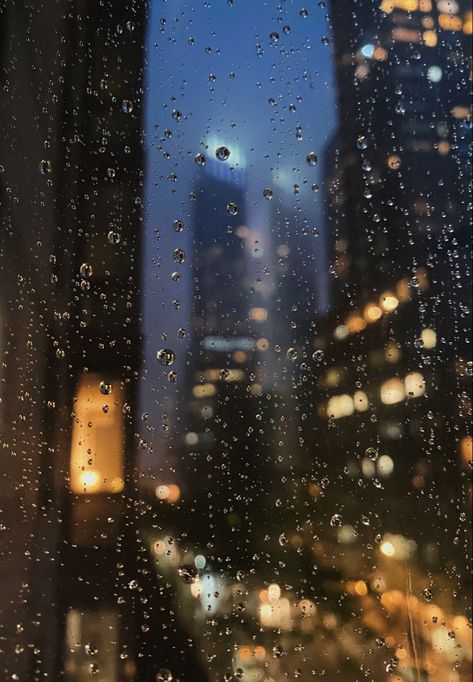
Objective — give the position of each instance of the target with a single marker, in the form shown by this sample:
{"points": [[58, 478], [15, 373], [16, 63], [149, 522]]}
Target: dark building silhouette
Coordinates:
{"points": [[79, 594], [222, 466]]}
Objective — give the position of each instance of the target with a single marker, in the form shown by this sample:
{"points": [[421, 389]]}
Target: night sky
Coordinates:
{"points": [[219, 66]]}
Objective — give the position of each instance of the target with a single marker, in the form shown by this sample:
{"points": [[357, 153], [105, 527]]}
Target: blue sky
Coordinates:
{"points": [[220, 66]]}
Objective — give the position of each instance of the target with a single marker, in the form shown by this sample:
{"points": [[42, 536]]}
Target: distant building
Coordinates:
{"points": [[391, 367], [223, 464]]}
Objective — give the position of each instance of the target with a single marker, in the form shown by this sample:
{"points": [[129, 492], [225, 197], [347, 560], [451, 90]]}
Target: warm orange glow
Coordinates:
{"points": [[466, 450], [406, 35], [96, 464], [389, 302], [204, 391], [392, 391], [407, 5], [450, 23], [443, 147], [340, 406], [355, 323], [403, 291], [415, 385], [258, 314], [461, 113], [430, 38], [372, 312], [468, 24], [170, 493]]}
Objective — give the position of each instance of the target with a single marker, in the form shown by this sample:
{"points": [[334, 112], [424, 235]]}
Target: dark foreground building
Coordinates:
{"points": [[77, 591]]}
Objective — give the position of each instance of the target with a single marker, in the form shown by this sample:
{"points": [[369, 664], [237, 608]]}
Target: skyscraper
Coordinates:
{"points": [[222, 464], [395, 342]]}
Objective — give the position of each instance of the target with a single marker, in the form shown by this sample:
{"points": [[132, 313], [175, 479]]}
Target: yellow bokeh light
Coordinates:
{"points": [[389, 302], [388, 549]]}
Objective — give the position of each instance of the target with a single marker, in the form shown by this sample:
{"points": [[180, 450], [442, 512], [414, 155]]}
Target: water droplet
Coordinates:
{"points": [[105, 387], [362, 142], [172, 377], [127, 106], [133, 585], [164, 675], [304, 13], [318, 356], [86, 271], [312, 159], [200, 159], [166, 357], [372, 454], [222, 153], [176, 114], [232, 209], [178, 225], [176, 276], [427, 594], [292, 353], [278, 651], [283, 539], [91, 649], [274, 37], [188, 574], [336, 521], [45, 166], [114, 237], [268, 193], [179, 256]]}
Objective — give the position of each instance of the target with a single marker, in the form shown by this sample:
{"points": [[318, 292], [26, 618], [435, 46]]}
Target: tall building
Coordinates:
{"points": [[396, 341], [76, 581], [223, 465]]}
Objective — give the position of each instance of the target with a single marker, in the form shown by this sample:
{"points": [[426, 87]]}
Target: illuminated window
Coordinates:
{"points": [[430, 38], [406, 35], [450, 23], [372, 312], [204, 391], [392, 391], [361, 401], [403, 291], [468, 23], [258, 314], [407, 5], [392, 353], [429, 338], [355, 323], [96, 464], [415, 385], [340, 406], [466, 450]]}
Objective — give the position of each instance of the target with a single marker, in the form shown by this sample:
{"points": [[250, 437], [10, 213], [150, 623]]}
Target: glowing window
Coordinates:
{"points": [[415, 385], [96, 464], [392, 391]]}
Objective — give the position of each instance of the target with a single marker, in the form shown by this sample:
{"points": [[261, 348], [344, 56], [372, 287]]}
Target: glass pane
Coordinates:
{"points": [[235, 321]]}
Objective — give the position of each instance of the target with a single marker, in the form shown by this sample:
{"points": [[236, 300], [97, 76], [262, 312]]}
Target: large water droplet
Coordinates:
{"points": [[165, 357], [222, 153], [127, 106], [312, 159]]}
